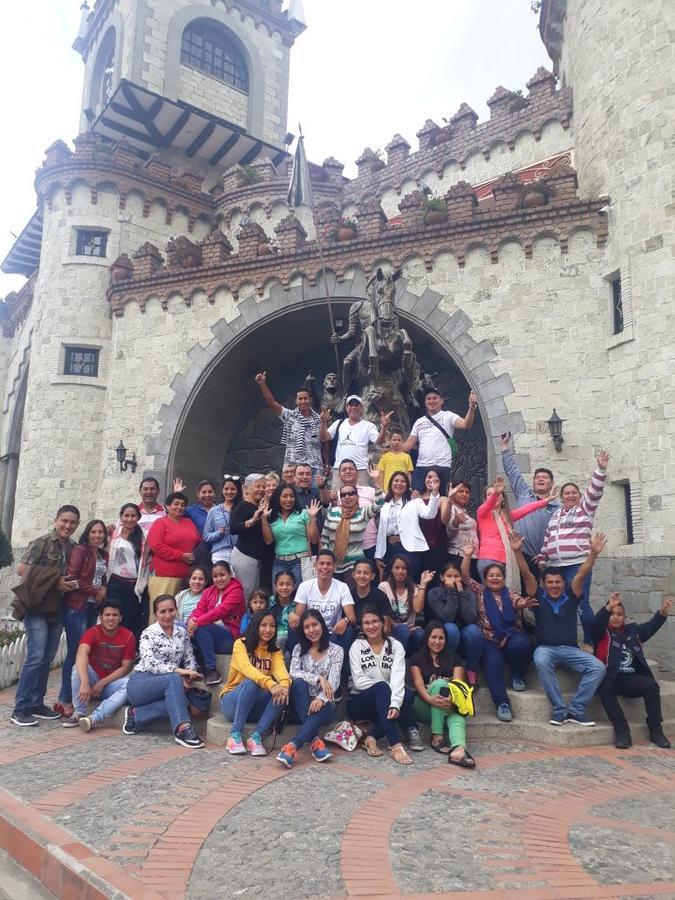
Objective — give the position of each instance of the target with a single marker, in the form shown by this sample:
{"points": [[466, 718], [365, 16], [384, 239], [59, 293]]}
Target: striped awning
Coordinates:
{"points": [[24, 257], [150, 122]]}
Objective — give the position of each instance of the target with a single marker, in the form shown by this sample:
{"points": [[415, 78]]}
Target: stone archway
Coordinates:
{"points": [[215, 399]]}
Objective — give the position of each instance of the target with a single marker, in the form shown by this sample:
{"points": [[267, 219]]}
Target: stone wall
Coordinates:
{"points": [[216, 96]]}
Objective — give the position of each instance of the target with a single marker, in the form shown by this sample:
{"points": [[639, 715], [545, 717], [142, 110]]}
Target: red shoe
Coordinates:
{"points": [[472, 679], [59, 708]]}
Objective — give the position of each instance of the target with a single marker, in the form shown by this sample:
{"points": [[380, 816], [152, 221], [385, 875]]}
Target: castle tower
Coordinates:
{"points": [[147, 61]]}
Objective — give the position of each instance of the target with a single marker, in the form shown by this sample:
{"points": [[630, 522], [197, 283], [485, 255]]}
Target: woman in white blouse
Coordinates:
{"points": [[399, 530], [167, 666], [316, 665]]}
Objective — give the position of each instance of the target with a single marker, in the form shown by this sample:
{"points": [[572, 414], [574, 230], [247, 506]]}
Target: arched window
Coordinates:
{"points": [[208, 48]]}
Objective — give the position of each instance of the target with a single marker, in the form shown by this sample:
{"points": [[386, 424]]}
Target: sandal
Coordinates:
{"points": [[399, 755], [466, 761], [370, 746], [441, 747]]}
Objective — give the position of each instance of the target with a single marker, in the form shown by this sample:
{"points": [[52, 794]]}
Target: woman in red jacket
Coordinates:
{"points": [[172, 540], [215, 622], [86, 567]]}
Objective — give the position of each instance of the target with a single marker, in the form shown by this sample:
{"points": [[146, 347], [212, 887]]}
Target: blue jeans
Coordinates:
{"points": [[113, 696], [212, 639], [157, 697], [42, 642], [291, 566], [250, 703], [586, 614], [312, 724], [410, 638], [75, 622], [517, 652], [592, 672], [373, 705], [469, 641], [344, 640]]}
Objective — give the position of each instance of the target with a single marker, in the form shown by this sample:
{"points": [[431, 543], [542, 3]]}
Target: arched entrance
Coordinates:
{"points": [[225, 427]]}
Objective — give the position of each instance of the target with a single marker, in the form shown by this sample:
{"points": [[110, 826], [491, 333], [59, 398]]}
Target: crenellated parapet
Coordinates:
{"points": [[102, 165], [511, 115], [517, 212]]}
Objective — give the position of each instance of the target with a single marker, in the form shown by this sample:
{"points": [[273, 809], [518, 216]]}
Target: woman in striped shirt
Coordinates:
{"points": [[567, 541]]}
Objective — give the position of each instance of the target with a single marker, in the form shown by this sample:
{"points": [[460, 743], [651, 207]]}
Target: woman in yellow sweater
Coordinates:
{"points": [[257, 684]]}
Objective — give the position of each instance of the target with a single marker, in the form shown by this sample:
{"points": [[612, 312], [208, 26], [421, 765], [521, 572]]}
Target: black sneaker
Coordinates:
{"points": [[44, 712], [571, 719], [213, 676], [659, 738], [129, 726], [24, 719], [623, 741], [188, 737]]}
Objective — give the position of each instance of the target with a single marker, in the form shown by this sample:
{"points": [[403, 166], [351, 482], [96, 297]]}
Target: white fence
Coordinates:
{"points": [[13, 655]]}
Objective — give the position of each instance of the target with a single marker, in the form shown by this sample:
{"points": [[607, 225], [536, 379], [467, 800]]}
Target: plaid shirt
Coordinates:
{"points": [[48, 551]]}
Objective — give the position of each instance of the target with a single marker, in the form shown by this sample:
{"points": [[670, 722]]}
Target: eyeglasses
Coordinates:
{"points": [[348, 494], [232, 477]]}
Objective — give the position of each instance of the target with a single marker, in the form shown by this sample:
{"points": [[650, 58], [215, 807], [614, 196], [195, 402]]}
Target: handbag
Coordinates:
{"points": [[199, 702], [452, 443], [346, 735]]}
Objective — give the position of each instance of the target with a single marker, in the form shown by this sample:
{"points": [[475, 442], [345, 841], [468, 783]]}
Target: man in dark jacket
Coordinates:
{"points": [[619, 645], [456, 608], [40, 604]]}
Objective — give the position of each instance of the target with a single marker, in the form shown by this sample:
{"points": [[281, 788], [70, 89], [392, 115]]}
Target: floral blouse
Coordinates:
{"points": [[309, 669], [161, 654]]}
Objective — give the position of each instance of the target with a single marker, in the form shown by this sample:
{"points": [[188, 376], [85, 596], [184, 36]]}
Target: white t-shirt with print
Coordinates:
{"points": [[353, 441], [329, 604], [433, 447]]}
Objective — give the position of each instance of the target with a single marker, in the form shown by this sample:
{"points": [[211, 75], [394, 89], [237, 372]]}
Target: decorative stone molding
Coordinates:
{"points": [[450, 330]]}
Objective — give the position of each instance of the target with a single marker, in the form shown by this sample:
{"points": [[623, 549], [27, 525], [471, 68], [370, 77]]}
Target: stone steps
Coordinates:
{"points": [[531, 711]]}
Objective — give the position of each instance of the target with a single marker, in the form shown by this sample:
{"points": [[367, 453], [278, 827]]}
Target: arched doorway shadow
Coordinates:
{"points": [[225, 427], [10, 461]]}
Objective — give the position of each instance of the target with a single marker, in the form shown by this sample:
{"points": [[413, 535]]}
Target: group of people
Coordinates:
{"points": [[338, 575]]}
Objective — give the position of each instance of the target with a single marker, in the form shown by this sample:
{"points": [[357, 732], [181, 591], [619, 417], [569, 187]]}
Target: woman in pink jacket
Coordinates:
{"points": [[495, 524], [214, 624]]}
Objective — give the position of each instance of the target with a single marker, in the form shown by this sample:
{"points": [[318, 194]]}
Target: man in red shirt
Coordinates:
{"points": [[103, 662]]}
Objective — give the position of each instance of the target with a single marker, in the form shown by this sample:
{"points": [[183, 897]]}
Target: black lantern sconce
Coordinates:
{"points": [[555, 424], [121, 453]]}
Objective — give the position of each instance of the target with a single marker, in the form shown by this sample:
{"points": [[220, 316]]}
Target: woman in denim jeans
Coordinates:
{"points": [[156, 687], [290, 530], [316, 666], [87, 566]]}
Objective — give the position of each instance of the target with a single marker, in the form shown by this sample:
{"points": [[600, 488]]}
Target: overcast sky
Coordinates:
{"points": [[362, 71]]}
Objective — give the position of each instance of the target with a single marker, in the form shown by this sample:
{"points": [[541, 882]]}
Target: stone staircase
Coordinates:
{"points": [[531, 712]]}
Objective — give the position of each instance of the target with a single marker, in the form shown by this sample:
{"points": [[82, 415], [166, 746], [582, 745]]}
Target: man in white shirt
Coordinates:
{"points": [[332, 598], [430, 434], [151, 510], [354, 436]]}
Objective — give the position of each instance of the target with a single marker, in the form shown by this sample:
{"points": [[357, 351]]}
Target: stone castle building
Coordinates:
{"points": [[163, 267]]}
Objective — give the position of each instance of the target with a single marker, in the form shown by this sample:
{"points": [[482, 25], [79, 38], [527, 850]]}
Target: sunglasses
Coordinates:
{"points": [[232, 477], [348, 494]]}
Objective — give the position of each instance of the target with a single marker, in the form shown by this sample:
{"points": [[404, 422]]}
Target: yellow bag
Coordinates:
{"points": [[462, 697]]}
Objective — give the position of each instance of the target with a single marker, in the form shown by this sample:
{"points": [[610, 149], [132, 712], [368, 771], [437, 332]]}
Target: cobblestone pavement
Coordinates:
{"points": [[104, 815]]}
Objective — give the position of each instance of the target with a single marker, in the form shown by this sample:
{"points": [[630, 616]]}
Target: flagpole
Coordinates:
{"points": [[301, 189]]}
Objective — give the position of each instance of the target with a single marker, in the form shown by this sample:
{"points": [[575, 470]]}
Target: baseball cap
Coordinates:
{"points": [[353, 398]]}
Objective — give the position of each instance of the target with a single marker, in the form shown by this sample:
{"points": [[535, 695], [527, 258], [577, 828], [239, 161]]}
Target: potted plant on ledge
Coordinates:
{"points": [[436, 211], [345, 229]]}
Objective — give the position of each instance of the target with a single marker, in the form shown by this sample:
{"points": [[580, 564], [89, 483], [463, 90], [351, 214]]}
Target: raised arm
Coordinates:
{"points": [[598, 542], [593, 493], [468, 420], [516, 542], [519, 486], [324, 433], [268, 396]]}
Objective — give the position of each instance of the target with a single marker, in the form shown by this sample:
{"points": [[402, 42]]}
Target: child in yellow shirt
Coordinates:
{"points": [[394, 460]]}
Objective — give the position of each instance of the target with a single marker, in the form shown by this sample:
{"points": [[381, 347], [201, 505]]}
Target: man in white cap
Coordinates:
{"points": [[353, 435], [246, 559]]}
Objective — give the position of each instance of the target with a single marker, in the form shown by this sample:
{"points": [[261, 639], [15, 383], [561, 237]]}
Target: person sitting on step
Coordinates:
{"points": [[257, 685], [104, 660], [214, 624], [618, 644], [555, 603], [316, 665]]}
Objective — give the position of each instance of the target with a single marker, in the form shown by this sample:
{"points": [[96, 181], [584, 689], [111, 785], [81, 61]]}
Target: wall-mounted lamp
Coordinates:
{"points": [[555, 424], [121, 453]]}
